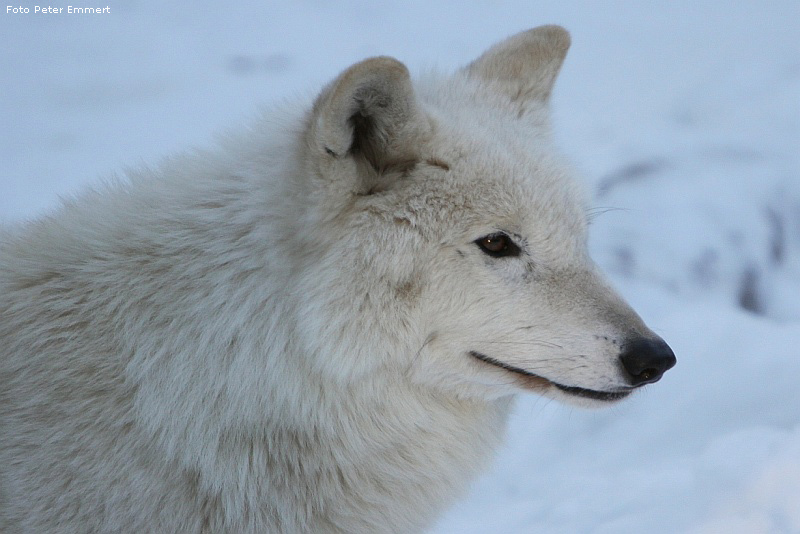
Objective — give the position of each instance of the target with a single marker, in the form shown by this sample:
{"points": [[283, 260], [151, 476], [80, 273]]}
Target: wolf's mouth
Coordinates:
{"points": [[541, 381]]}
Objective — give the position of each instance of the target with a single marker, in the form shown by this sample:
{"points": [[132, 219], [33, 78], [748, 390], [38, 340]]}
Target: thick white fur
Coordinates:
{"points": [[275, 336]]}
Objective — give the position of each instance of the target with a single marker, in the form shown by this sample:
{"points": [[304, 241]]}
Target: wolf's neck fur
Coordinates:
{"points": [[368, 448]]}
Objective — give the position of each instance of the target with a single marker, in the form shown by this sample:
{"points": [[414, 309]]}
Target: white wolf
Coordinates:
{"points": [[315, 328]]}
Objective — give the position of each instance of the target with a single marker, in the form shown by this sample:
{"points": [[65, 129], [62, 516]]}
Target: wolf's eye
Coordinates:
{"points": [[498, 245]]}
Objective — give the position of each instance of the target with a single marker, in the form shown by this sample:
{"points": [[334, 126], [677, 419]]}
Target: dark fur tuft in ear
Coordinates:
{"points": [[370, 111]]}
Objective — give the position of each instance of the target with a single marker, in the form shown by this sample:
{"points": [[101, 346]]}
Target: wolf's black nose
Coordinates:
{"points": [[646, 360]]}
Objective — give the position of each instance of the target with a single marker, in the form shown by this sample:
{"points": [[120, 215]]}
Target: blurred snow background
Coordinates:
{"points": [[684, 118]]}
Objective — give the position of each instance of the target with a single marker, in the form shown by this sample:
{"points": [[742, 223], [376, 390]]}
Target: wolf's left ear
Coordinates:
{"points": [[525, 65], [369, 113]]}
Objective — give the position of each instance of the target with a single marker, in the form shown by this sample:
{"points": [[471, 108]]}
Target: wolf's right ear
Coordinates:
{"points": [[525, 65], [369, 112]]}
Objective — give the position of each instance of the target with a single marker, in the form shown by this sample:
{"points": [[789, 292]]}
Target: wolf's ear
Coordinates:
{"points": [[525, 65], [369, 112]]}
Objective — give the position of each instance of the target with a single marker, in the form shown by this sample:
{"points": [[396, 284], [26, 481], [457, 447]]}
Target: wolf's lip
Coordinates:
{"points": [[593, 394], [572, 390]]}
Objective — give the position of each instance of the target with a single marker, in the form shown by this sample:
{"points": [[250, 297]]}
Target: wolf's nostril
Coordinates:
{"points": [[648, 374], [646, 360]]}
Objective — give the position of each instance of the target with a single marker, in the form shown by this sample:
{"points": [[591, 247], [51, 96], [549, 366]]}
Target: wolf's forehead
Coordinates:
{"points": [[492, 168], [539, 201], [511, 178]]}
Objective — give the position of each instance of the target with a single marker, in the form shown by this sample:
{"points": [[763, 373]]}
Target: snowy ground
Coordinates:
{"points": [[684, 115]]}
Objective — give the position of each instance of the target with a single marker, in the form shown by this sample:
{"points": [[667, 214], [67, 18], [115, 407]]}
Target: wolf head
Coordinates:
{"points": [[444, 239]]}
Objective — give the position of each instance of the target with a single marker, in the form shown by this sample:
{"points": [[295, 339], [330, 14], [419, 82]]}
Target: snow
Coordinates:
{"points": [[684, 118]]}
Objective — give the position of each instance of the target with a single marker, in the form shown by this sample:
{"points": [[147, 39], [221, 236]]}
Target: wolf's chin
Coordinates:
{"points": [[536, 382]]}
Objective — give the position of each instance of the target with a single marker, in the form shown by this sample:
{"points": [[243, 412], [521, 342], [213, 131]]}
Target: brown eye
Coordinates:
{"points": [[498, 245]]}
